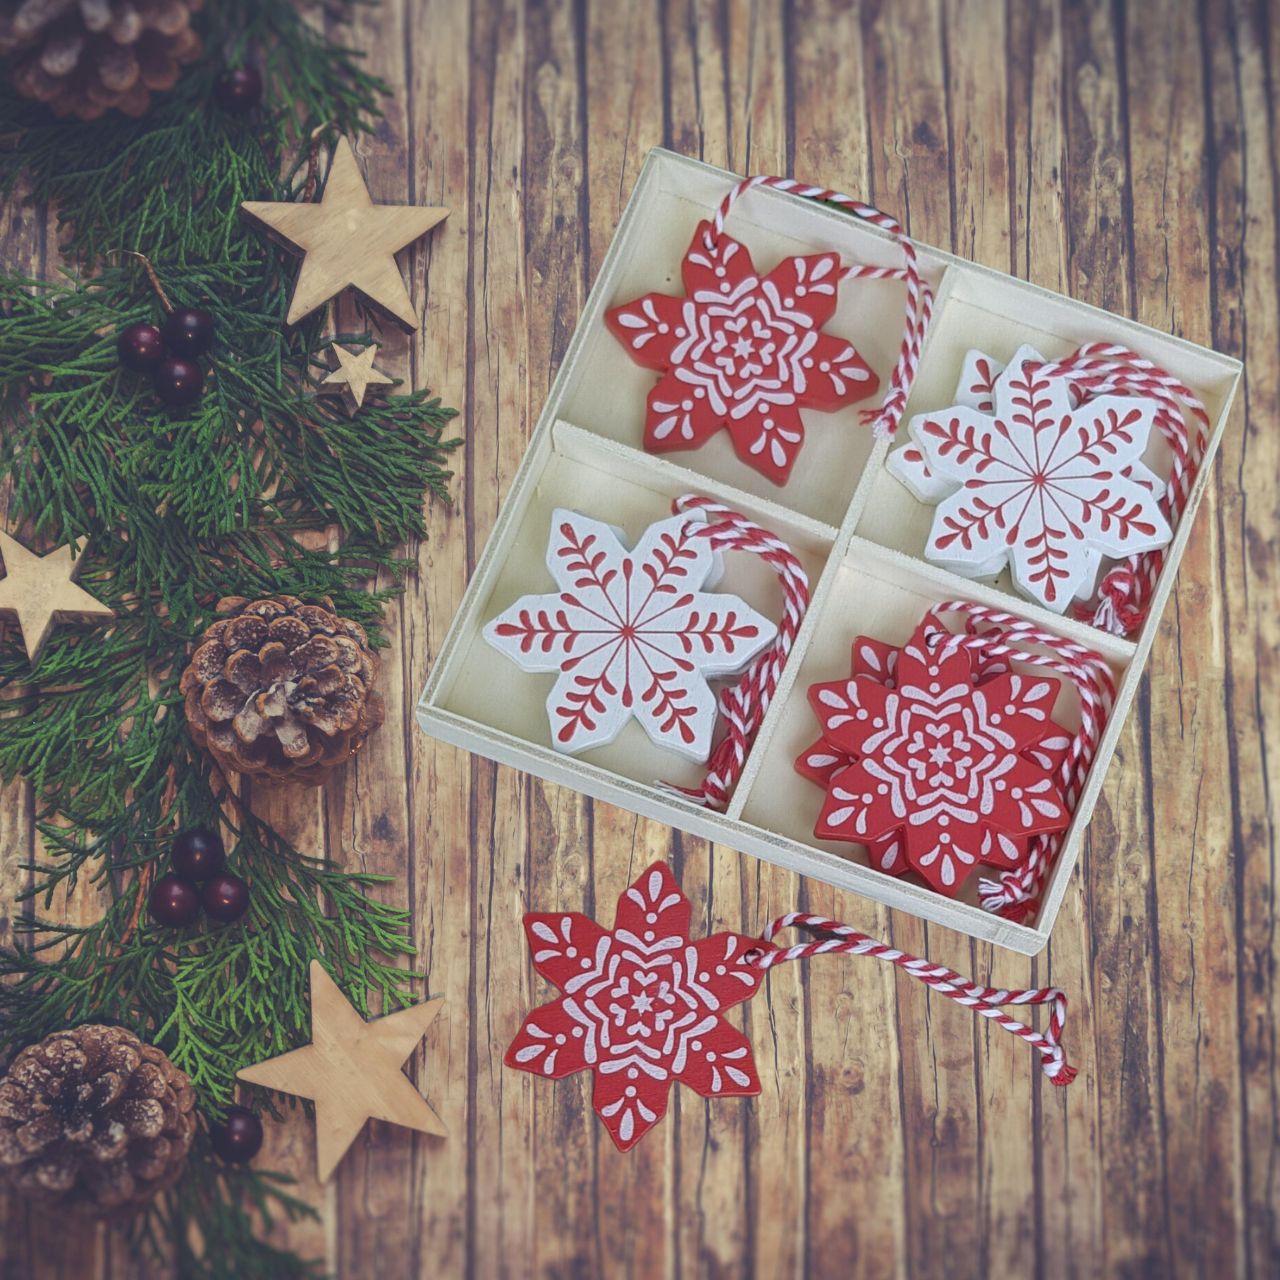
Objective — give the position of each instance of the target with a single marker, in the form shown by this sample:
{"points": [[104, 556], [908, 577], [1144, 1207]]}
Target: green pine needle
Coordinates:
{"points": [[178, 511]]}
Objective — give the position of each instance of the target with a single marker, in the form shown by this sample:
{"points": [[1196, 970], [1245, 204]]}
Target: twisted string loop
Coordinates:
{"points": [[997, 638], [919, 304], [834, 938], [744, 703]]}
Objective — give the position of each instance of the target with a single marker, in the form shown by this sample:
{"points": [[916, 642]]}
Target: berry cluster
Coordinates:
{"points": [[197, 881], [168, 353]]}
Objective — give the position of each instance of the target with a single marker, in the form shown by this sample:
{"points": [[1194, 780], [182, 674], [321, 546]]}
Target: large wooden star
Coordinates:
{"points": [[347, 240], [40, 590], [351, 1070]]}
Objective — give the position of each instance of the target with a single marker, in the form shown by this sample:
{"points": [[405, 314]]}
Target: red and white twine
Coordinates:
{"points": [[744, 703], [998, 638], [1101, 368], [919, 305], [987, 1002], [1095, 369]]}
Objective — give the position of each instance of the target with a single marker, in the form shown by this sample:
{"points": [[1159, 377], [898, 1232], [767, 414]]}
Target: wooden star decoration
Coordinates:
{"points": [[347, 240], [41, 590], [355, 374], [351, 1070]]}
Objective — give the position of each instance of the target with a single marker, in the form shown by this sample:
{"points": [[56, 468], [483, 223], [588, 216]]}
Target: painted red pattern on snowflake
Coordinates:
{"points": [[1044, 481], [641, 1006], [982, 375], [933, 767], [742, 351], [631, 634]]}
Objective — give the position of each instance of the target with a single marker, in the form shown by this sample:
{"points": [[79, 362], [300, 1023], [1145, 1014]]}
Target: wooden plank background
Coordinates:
{"points": [[1124, 154]]}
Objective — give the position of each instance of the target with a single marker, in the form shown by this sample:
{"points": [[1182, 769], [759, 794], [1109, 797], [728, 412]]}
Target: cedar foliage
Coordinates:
{"points": [[232, 497]]}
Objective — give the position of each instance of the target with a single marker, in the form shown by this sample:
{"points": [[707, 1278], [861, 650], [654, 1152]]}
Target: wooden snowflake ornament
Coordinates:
{"points": [[932, 766], [742, 351], [1047, 483], [631, 634], [975, 389], [641, 1006]]}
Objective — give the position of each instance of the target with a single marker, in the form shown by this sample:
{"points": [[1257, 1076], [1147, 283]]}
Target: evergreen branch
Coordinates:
{"points": [[239, 496]]}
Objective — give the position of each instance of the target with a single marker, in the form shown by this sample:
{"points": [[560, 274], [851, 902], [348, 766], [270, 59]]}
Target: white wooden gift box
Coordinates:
{"points": [[857, 530]]}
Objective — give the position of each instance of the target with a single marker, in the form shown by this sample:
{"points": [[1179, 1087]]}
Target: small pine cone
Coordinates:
{"points": [[84, 57], [94, 1120], [281, 689]]}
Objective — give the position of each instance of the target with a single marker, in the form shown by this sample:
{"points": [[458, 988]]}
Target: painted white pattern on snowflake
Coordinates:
{"points": [[952, 764], [641, 1006], [742, 351]]}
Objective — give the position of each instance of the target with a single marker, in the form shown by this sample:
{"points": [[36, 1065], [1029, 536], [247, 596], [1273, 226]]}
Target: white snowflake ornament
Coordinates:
{"points": [[631, 634], [975, 389], [1023, 475], [1044, 480]]}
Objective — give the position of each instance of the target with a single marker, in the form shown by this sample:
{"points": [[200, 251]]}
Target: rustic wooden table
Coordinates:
{"points": [[1124, 155]]}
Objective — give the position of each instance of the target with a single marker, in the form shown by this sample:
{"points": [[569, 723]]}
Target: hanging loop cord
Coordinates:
{"points": [[988, 1002], [996, 639], [919, 306], [1102, 368], [744, 703]]}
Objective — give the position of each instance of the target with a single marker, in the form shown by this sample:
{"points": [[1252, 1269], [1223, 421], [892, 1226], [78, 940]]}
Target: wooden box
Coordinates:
{"points": [[859, 533]]}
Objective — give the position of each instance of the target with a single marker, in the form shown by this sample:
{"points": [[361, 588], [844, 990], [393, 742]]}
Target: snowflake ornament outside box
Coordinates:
{"points": [[1026, 476], [641, 1006], [742, 351], [631, 634]]}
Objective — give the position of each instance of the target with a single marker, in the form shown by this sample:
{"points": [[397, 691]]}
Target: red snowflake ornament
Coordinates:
{"points": [[742, 351], [932, 766], [641, 1006], [631, 634]]}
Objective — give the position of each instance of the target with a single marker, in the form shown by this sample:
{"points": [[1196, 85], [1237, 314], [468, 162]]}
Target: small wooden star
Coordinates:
{"points": [[351, 1070], [41, 590], [347, 241], [355, 373]]}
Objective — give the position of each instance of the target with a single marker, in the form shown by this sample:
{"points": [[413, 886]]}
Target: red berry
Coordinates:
{"points": [[173, 902], [197, 854], [225, 897], [140, 347], [178, 381], [238, 1138], [239, 90], [188, 331]]}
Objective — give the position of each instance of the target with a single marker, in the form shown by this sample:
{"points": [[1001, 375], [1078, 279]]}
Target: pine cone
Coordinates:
{"points": [[282, 689], [95, 1120], [83, 57]]}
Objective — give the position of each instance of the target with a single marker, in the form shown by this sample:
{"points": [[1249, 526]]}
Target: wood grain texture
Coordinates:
{"points": [[1127, 155]]}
